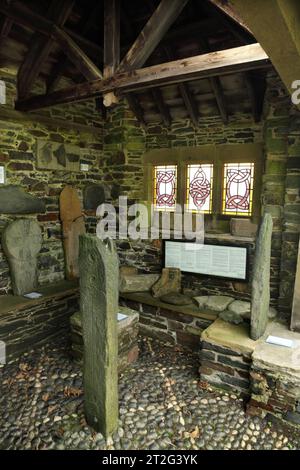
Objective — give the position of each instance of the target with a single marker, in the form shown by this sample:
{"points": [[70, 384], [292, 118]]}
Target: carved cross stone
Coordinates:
{"points": [[22, 241]]}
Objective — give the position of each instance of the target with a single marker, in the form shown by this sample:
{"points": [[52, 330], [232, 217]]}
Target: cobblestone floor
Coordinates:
{"points": [[161, 407]]}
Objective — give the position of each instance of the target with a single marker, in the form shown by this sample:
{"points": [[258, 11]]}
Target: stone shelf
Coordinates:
{"points": [[192, 310], [27, 323]]}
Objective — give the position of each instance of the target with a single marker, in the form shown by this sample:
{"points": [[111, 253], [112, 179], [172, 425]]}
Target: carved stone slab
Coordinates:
{"points": [[169, 282], [73, 226], [22, 241], [99, 278], [260, 301]]}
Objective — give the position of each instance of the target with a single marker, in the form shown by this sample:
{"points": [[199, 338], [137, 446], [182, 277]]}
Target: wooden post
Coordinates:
{"points": [[99, 279]]}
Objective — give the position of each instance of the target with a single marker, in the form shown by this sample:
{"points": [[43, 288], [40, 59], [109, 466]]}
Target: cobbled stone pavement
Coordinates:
{"points": [[161, 407]]}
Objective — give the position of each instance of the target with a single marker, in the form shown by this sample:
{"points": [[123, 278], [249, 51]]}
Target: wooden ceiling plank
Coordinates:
{"points": [[209, 65], [40, 48], [153, 32]]}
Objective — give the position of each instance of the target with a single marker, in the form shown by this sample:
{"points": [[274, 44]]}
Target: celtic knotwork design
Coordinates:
{"points": [[241, 200], [200, 188], [165, 180]]}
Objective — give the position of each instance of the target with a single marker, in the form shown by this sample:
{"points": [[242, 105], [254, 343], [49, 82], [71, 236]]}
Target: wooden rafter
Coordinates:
{"points": [[5, 27], [209, 65], [111, 37], [136, 108], [189, 102], [255, 87], [63, 63], [41, 46], [76, 55], [162, 107], [226, 8], [186, 95], [216, 86], [159, 23]]}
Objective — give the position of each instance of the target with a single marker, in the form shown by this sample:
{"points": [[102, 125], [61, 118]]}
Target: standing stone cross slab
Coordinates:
{"points": [[22, 242], [99, 300]]}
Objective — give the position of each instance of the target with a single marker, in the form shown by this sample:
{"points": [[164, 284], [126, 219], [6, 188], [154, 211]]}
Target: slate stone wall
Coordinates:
{"points": [[17, 153]]}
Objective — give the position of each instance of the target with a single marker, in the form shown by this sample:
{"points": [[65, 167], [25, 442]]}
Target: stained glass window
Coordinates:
{"points": [[165, 186], [199, 188], [238, 188]]}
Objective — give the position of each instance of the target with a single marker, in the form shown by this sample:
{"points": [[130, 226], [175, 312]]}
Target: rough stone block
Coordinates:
{"points": [[170, 281], [14, 200], [136, 283], [243, 228]]}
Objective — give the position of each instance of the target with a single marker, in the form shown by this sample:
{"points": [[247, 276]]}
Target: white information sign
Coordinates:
{"points": [[2, 175], [213, 260]]}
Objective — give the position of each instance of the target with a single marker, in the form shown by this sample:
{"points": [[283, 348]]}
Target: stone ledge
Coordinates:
{"points": [[11, 303], [233, 337], [192, 310], [277, 359]]}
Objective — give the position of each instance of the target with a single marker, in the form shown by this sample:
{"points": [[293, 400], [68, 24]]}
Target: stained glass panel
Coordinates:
{"points": [[199, 187], [238, 188], [165, 186]]}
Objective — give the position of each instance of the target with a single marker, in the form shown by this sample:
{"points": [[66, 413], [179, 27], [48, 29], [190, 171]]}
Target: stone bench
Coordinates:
{"points": [[170, 323], [128, 330], [26, 323]]}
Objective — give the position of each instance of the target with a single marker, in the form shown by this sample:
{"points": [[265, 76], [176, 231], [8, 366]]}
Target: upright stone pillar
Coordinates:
{"points": [[73, 226], [22, 242], [295, 323], [260, 301], [99, 271]]}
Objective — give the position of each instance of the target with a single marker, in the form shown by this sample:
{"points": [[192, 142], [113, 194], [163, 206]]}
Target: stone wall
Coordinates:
{"points": [[84, 128]]}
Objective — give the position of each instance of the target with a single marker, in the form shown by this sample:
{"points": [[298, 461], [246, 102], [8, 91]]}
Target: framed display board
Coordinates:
{"points": [[213, 260]]}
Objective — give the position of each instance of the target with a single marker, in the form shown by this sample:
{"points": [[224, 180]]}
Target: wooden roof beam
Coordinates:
{"points": [[41, 47], [155, 29], [209, 65]]}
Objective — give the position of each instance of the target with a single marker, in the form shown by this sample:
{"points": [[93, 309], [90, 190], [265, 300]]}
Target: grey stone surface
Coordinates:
{"points": [[219, 303], [162, 407], [201, 301], [136, 282], [260, 297], [14, 200], [231, 317], [94, 195], [176, 299], [241, 307], [170, 281], [22, 241], [99, 272]]}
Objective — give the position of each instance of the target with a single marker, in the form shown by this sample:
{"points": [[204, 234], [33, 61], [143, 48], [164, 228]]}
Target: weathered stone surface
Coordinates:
{"points": [[73, 227], [241, 307], [99, 272], [128, 330], [219, 303], [94, 195], [272, 314], [176, 299], [170, 281], [295, 323], [231, 317], [260, 299], [137, 282], [201, 301], [243, 228], [22, 241], [14, 200]]}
